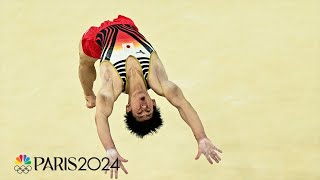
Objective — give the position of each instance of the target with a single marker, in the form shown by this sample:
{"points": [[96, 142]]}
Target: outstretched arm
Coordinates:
{"points": [[105, 101], [161, 85], [175, 96]]}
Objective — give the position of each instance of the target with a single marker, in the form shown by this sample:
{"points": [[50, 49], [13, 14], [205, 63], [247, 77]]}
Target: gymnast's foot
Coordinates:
{"points": [[91, 101]]}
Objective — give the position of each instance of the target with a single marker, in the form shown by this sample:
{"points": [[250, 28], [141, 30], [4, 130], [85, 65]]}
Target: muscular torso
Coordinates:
{"points": [[109, 73], [157, 73]]}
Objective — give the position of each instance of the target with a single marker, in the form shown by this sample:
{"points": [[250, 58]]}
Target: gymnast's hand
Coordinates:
{"points": [[206, 148], [113, 154], [91, 100]]}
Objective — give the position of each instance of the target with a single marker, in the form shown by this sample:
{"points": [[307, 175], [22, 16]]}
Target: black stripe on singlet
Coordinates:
{"points": [[113, 42], [121, 61], [131, 29], [100, 38], [140, 58], [120, 66], [144, 62], [145, 66], [145, 71], [121, 70], [136, 38], [108, 38]]}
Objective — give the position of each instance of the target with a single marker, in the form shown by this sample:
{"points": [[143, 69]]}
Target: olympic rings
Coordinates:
{"points": [[22, 169]]}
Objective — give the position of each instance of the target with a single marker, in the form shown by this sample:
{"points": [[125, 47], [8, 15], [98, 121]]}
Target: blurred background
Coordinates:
{"points": [[249, 68]]}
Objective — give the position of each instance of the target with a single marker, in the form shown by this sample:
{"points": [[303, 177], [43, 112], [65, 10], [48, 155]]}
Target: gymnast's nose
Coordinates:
{"points": [[145, 108]]}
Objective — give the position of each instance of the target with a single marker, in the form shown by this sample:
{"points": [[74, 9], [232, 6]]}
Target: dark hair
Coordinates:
{"points": [[140, 129]]}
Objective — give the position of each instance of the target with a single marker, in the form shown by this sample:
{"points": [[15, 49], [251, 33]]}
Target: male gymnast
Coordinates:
{"points": [[129, 64]]}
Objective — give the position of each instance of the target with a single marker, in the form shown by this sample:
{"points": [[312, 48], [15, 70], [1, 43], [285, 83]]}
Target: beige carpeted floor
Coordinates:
{"points": [[251, 69]]}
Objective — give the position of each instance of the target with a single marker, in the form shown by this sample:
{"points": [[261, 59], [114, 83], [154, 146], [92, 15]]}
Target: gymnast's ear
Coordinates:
{"points": [[154, 102], [128, 108]]}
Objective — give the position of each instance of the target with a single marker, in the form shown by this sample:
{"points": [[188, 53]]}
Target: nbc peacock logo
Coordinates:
{"points": [[23, 163]]}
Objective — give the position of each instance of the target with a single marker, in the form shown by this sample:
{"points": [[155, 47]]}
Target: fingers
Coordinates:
{"points": [[210, 155], [123, 168], [198, 155], [214, 158], [122, 159], [116, 173], [218, 149], [218, 157], [214, 155], [208, 158]]}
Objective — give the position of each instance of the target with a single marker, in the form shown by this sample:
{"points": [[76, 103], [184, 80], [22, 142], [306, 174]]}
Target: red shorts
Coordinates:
{"points": [[90, 46]]}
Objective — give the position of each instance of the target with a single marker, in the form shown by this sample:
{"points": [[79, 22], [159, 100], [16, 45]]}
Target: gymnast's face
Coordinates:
{"points": [[141, 106]]}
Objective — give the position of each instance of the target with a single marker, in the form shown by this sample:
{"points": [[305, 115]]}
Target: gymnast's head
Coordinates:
{"points": [[142, 115]]}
